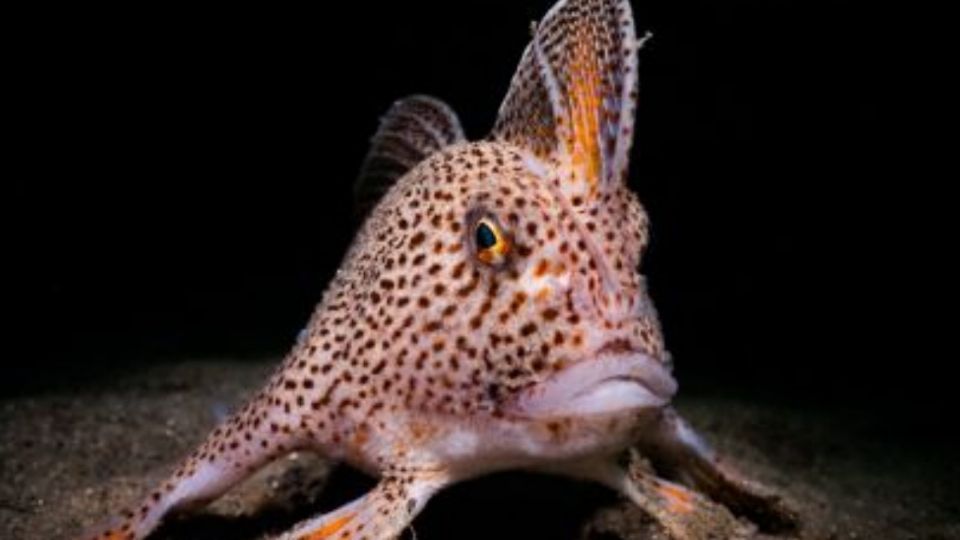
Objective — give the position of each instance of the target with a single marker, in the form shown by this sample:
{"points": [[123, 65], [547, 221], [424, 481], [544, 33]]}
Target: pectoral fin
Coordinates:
{"points": [[677, 451]]}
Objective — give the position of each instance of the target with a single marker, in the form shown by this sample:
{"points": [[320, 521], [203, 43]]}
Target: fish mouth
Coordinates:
{"points": [[615, 379]]}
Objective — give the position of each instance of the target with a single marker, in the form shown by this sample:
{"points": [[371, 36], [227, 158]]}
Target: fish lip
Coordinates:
{"points": [[614, 378]]}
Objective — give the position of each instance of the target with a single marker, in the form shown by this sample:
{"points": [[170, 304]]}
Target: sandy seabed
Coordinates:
{"points": [[70, 458]]}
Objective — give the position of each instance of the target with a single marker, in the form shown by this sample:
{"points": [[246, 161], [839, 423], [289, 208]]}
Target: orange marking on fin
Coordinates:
{"points": [[330, 529], [585, 105], [679, 500]]}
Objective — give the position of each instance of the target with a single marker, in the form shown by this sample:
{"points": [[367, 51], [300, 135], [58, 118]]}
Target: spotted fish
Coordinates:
{"points": [[488, 316]]}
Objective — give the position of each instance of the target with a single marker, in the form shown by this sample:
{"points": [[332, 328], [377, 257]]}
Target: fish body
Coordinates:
{"points": [[489, 314]]}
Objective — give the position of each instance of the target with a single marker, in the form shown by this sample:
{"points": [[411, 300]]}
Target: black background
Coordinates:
{"points": [[182, 184]]}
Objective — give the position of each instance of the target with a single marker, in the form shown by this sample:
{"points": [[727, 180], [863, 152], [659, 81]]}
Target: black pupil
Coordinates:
{"points": [[486, 239]]}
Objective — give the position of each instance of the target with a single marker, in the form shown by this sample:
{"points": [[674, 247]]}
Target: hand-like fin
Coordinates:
{"points": [[244, 443], [381, 514], [676, 449]]}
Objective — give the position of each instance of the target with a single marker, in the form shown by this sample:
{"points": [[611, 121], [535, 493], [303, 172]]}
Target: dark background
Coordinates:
{"points": [[183, 185]]}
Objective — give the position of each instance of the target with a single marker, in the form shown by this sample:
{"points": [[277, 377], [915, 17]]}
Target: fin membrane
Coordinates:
{"points": [[413, 128]]}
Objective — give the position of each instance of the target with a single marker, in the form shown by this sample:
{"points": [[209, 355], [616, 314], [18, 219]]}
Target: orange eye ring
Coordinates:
{"points": [[492, 245]]}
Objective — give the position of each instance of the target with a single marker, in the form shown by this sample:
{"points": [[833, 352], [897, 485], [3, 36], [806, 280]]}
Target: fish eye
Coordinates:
{"points": [[486, 237], [492, 245]]}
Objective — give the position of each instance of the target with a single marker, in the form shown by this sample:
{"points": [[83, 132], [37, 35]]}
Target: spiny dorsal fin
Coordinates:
{"points": [[413, 128]]}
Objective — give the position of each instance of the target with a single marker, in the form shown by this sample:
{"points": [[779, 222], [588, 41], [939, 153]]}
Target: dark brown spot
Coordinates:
{"points": [[417, 239]]}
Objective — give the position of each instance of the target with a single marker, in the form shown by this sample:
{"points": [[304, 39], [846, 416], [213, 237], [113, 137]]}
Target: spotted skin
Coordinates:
{"points": [[435, 356]]}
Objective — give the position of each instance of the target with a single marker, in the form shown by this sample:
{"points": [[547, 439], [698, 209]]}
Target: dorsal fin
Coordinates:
{"points": [[413, 128], [573, 97]]}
